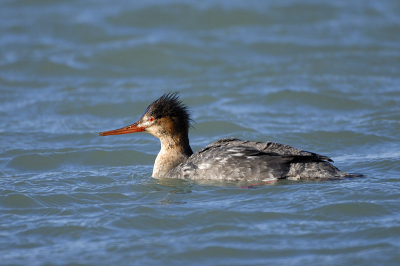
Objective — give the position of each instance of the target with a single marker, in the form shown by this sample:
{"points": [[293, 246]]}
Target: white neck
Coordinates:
{"points": [[173, 152]]}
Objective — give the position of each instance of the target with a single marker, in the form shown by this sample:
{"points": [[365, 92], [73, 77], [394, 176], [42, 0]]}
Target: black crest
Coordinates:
{"points": [[170, 106]]}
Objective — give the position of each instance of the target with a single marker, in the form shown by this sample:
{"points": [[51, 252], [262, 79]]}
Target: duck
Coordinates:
{"points": [[228, 159]]}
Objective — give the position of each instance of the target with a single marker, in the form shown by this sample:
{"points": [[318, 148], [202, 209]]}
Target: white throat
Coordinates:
{"points": [[172, 153]]}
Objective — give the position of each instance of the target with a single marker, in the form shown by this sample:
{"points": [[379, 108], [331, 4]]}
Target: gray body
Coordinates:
{"points": [[237, 160]]}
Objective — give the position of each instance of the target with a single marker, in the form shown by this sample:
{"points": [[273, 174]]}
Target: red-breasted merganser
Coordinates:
{"points": [[168, 119]]}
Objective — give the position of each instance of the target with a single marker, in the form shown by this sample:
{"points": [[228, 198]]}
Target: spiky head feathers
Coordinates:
{"points": [[169, 106]]}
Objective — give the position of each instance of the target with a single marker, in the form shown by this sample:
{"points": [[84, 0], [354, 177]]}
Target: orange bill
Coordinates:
{"points": [[125, 130]]}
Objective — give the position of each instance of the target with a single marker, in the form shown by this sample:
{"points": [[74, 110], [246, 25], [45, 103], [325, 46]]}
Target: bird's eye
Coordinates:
{"points": [[151, 119]]}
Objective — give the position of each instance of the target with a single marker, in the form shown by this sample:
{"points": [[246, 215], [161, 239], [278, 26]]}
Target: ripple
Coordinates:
{"points": [[34, 162], [64, 159], [16, 200]]}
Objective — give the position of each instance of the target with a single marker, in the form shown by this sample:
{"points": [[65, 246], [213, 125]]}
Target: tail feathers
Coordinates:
{"points": [[352, 175], [317, 170]]}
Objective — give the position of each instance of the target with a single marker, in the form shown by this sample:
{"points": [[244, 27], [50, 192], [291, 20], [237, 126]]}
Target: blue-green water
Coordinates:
{"points": [[318, 75]]}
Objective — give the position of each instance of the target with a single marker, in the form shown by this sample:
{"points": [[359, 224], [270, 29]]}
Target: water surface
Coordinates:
{"points": [[318, 75]]}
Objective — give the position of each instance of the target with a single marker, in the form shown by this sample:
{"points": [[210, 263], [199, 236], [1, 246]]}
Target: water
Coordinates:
{"points": [[318, 75]]}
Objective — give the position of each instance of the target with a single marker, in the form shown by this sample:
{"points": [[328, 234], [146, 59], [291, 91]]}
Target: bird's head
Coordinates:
{"points": [[165, 116]]}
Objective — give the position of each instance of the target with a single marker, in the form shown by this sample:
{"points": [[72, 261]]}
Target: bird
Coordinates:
{"points": [[228, 159]]}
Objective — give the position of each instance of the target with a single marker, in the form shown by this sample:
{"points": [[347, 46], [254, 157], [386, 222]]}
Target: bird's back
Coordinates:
{"points": [[238, 160]]}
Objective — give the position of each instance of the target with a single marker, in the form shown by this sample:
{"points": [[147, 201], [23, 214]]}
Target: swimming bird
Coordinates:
{"points": [[168, 119]]}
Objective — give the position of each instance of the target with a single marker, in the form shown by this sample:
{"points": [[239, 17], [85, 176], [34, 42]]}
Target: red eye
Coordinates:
{"points": [[151, 119]]}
